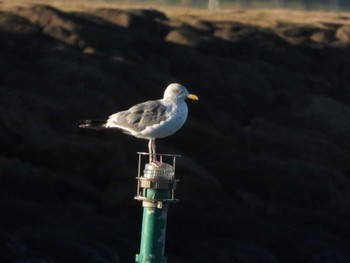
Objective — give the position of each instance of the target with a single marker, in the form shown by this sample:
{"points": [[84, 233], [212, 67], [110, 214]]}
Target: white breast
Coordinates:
{"points": [[177, 116]]}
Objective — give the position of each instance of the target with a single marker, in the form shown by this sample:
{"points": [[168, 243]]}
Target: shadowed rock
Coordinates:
{"points": [[265, 167]]}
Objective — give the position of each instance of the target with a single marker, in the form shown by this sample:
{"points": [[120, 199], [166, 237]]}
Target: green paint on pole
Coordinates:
{"points": [[155, 190], [153, 235]]}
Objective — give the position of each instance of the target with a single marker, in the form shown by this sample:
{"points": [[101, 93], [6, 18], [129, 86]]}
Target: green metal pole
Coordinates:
{"points": [[153, 228], [156, 190]]}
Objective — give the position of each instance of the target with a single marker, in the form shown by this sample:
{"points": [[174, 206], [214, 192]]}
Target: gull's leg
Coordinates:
{"points": [[150, 150], [154, 156]]}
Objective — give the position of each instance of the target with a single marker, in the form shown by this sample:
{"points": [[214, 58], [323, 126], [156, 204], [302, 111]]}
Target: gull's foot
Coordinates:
{"points": [[156, 163]]}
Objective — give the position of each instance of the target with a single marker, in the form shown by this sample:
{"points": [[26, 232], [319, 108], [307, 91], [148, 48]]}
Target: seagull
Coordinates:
{"points": [[151, 119]]}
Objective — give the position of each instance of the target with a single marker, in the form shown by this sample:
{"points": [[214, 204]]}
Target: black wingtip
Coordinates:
{"points": [[92, 124]]}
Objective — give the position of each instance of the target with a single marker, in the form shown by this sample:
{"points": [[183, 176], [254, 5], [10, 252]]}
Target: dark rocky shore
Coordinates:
{"points": [[265, 172]]}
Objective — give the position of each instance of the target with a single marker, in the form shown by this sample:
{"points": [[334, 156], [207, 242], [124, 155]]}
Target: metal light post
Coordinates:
{"points": [[156, 189]]}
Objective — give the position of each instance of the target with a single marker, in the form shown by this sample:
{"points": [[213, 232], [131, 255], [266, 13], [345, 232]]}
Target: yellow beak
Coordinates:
{"points": [[192, 97]]}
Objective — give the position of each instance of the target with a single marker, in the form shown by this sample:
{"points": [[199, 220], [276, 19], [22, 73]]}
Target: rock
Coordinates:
{"points": [[184, 36], [264, 172], [44, 15], [324, 114], [22, 181], [228, 250], [343, 34], [131, 18], [64, 35], [309, 244], [10, 22], [229, 31], [324, 36], [300, 144], [296, 183]]}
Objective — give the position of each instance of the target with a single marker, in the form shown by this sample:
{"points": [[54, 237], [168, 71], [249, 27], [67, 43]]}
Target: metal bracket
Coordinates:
{"points": [[156, 178]]}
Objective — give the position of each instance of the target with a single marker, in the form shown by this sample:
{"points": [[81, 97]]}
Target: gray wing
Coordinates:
{"points": [[140, 116]]}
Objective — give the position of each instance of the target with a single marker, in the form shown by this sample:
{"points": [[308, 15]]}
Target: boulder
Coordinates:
{"points": [[324, 114], [343, 34], [264, 175]]}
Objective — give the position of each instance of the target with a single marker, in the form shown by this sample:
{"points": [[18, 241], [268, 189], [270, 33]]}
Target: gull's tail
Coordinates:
{"points": [[96, 125], [93, 124]]}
